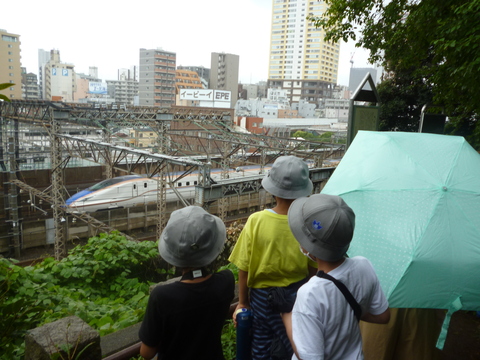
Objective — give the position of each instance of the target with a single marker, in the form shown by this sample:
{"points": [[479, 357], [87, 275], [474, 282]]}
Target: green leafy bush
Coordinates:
{"points": [[104, 282], [229, 341]]}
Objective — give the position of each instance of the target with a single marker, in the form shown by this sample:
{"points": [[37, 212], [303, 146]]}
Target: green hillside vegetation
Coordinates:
{"points": [[104, 282]]}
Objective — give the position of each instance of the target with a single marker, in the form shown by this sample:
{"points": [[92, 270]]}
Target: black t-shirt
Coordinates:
{"points": [[185, 321]]}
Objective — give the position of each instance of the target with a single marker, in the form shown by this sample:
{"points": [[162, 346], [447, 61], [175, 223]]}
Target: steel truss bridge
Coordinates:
{"points": [[216, 139]]}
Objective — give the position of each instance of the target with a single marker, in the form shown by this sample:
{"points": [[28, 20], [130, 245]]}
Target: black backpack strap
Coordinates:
{"points": [[357, 310]]}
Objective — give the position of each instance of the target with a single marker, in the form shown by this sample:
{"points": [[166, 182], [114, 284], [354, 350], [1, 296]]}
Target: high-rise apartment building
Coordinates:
{"points": [[43, 58], [10, 65], [187, 79], [123, 91], [301, 61], [224, 74], [157, 78]]}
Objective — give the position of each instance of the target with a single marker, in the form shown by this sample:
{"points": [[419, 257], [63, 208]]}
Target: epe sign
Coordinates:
{"points": [[221, 96]]}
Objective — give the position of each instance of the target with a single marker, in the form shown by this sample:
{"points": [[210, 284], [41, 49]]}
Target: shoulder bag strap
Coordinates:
{"points": [[357, 310]]}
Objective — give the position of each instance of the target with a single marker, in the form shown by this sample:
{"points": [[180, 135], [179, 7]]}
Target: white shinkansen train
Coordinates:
{"points": [[135, 190]]}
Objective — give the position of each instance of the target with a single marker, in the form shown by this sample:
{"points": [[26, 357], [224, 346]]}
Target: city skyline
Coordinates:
{"points": [[110, 38]]}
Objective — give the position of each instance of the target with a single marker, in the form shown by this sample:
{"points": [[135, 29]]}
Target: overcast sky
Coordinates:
{"points": [[109, 34]]}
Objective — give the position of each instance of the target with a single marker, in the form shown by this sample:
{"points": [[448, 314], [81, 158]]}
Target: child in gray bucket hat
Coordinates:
{"points": [[194, 309], [268, 259], [324, 320]]}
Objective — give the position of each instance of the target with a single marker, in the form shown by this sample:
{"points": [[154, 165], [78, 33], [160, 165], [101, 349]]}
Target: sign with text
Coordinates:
{"points": [[205, 95], [97, 87]]}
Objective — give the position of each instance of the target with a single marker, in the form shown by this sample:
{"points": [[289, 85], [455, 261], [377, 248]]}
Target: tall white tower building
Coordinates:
{"points": [[301, 61]]}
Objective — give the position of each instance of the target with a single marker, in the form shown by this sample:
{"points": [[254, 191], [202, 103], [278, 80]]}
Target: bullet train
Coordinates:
{"points": [[135, 190]]}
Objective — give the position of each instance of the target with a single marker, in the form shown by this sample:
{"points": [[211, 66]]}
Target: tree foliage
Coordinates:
{"points": [[438, 42], [3, 87], [302, 134], [402, 102]]}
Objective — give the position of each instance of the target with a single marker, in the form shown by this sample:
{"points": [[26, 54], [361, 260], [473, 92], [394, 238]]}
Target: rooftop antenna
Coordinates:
{"points": [[351, 59]]}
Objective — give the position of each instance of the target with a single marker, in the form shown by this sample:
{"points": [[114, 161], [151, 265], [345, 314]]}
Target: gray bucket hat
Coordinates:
{"points": [[288, 178], [192, 238], [323, 225]]}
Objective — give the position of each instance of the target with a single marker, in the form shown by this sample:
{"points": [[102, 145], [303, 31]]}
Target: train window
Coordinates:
{"points": [[195, 182], [134, 186], [188, 183], [109, 182], [145, 185], [179, 184]]}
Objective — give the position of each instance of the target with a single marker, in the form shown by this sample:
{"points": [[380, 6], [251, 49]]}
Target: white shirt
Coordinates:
{"points": [[323, 323]]}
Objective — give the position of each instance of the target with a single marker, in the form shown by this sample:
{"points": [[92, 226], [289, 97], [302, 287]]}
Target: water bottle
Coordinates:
{"points": [[244, 334]]}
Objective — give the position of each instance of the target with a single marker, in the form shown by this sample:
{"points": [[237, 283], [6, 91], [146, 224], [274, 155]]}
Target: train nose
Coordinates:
{"points": [[71, 208]]}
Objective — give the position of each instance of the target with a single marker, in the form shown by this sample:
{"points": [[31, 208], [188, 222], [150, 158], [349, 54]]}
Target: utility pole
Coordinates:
{"points": [[60, 248]]}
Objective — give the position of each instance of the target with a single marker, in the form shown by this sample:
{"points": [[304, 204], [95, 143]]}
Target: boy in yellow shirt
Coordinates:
{"points": [[268, 258]]}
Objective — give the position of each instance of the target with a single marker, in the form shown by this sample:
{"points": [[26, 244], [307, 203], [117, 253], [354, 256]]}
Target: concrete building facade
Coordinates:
{"points": [[252, 90], [300, 60], [128, 74], [60, 80], [304, 109], [143, 138], [43, 58], [29, 85], [83, 82], [157, 78], [186, 79], [10, 64], [337, 109], [224, 74], [123, 91], [202, 72]]}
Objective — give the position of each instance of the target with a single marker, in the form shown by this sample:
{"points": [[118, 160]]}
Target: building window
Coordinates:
{"points": [[9, 38]]}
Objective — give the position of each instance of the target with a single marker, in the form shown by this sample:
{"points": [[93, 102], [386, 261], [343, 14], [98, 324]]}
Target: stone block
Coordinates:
{"points": [[67, 338]]}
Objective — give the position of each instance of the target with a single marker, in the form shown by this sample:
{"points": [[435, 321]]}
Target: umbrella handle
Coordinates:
{"points": [[454, 306]]}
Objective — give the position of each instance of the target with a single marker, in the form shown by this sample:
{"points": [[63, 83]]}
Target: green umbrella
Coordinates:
{"points": [[417, 203]]}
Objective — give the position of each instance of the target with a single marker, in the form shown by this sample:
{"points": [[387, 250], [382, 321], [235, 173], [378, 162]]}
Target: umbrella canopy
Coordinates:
{"points": [[417, 203]]}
